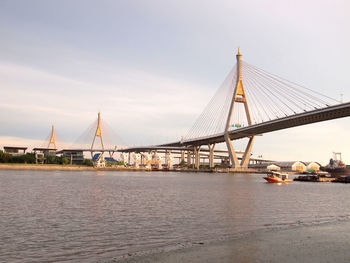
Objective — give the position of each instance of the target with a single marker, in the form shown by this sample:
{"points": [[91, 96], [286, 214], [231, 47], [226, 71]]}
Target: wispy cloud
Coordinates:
{"points": [[131, 99], [152, 66]]}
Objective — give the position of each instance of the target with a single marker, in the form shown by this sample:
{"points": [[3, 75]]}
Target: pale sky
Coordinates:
{"points": [[151, 67]]}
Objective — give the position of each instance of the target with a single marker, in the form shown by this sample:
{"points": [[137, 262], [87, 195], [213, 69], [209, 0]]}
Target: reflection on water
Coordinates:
{"points": [[86, 216]]}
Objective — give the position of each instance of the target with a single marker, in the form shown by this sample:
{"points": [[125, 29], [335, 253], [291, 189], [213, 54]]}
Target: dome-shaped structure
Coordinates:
{"points": [[299, 166], [273, 167], [314, 166]]}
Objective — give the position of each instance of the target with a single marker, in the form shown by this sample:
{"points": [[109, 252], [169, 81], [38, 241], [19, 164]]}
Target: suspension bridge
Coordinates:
{"points": [[250, 102]]}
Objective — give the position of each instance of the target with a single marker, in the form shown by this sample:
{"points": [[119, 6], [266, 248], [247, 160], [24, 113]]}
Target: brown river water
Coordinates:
{"points": [[59, 216]]}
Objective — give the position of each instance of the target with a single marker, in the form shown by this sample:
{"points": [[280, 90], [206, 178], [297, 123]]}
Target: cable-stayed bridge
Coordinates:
{"points": [[250, 102], [329, 113]]}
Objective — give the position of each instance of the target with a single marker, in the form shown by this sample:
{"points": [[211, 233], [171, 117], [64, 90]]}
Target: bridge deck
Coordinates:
{"points": [[318, 115]]}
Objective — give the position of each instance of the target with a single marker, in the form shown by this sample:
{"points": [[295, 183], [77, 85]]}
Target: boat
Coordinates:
{"points": [[161, 169], [316, 177], [336, 167], [307, 178], [277, 177], [342, 179]]}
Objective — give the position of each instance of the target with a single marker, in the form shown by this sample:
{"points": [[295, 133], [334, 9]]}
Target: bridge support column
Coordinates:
{"points": [[211, 155], [247, 152], [182, 156], [231, 152], [142, 158], [189, 158], [168, 159], [197, 150]]}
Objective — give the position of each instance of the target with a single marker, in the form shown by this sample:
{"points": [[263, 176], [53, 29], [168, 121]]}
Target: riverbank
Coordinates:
{"points": [[57, 167], [328, 242]]}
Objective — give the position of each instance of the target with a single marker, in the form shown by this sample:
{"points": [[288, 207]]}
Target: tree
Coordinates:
{"points": [[88, 162], [51, 159], [5, 157], [65, 160], [29, 158]]}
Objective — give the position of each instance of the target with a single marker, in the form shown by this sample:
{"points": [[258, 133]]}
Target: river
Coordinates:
{"points": [[60, 216]]}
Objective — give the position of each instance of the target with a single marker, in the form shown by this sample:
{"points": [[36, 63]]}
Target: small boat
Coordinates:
{"points": [[277, 177]]}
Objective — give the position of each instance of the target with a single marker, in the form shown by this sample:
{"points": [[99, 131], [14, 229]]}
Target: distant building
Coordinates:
{"points": [[74, 156], [299, 166], [285, 166], [42, 153], [315, 166], [282, 165], [14, 150], [273, 167], [45, 151]]}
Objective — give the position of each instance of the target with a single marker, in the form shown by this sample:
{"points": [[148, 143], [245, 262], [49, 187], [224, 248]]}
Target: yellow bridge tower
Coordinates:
{"points": [[52, 140], [98, 133], [239, 96]]}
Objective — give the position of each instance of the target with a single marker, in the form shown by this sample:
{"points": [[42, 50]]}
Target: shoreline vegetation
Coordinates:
{"points": [[30, 158], [60, 167], [77, 167], [29, 161]]}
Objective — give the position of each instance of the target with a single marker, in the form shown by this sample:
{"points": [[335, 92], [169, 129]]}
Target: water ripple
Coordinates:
{"points": [[78, 216]]}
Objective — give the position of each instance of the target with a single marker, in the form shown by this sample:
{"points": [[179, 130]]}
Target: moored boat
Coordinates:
{"points": [[336, 167], [342, 179], [314, 178], [277, 177], [161, 169]]}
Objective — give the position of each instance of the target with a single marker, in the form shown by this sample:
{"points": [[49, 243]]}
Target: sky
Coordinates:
{"points": [[152, 66]]}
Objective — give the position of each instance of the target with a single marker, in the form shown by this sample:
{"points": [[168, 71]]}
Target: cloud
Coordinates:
{"points": [[132, 99], [151, 67]]}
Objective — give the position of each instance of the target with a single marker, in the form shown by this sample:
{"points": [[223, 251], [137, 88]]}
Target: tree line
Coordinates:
{"points": [[30, 159], [9, 158]]}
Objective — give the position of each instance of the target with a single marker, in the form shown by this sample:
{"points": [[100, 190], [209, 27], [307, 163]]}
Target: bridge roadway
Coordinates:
{"points": [[317, 115], [166, 148], [161, 149]]}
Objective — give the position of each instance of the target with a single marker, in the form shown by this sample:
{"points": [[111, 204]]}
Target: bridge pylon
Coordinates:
{"points": [[98, 133], [239, 96], [52, 140]]}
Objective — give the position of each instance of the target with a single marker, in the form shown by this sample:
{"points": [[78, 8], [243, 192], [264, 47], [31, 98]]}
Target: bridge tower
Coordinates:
{"points": [[239, 96], [52, 140], [98, 133]]}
